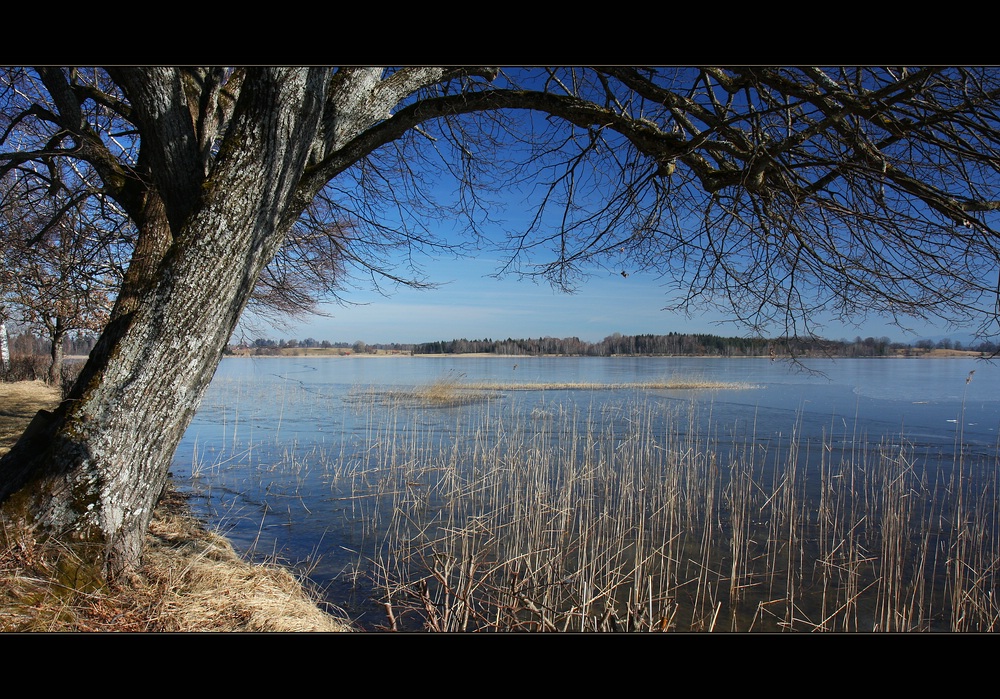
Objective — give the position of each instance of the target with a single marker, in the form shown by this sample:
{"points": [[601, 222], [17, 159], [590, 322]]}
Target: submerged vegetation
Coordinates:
{"points": [[452, 391], [629, 520], [628, 515]]}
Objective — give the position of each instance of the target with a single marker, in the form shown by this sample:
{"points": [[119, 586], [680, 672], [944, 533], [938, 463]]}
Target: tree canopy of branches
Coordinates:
{"points": [[61, 270], [779, 194]]}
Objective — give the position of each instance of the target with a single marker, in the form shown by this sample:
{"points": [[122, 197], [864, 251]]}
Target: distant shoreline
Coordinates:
{"points": [[324, 353]]}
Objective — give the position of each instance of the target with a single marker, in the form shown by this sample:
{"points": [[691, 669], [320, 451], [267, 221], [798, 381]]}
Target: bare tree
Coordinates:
{"points": [[776, 193], [63, 274]]}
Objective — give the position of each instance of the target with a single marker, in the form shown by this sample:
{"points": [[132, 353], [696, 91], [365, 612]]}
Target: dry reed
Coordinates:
{"points": [[628, 519]]}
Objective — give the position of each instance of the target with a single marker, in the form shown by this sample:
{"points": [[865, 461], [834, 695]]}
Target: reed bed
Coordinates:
{"points": [[453, 391], [672, 384], [628, 520], [632, 516]]}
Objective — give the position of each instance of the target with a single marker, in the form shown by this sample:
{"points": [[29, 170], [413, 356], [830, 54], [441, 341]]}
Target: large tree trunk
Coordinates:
{"points": [[91, 472]]}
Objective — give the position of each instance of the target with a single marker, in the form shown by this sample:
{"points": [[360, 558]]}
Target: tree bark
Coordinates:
{"points": [[55, 368], [91, 472]]}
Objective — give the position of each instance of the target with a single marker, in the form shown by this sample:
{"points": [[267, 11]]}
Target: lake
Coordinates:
{"points": [[326, 464]]}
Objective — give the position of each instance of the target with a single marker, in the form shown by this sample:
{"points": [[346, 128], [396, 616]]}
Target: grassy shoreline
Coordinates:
{"points": [[191, 580]]}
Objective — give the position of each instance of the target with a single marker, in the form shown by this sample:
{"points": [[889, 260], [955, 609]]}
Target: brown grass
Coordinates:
{"points": [[665, 385], [18, 404], [191, 578], [937, 353], [450, 391]]}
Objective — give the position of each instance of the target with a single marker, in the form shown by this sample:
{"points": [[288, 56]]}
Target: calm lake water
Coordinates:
{"points": [[265, 457]]}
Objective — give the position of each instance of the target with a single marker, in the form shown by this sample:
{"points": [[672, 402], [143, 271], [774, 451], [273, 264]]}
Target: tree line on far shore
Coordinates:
{"points": [[32, 350], [700, 344], [671, 344]]}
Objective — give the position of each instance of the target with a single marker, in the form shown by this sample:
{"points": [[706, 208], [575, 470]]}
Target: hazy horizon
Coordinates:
{"points": [[470, 304]]}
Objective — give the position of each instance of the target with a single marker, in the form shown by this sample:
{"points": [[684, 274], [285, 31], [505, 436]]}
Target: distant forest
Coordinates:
{"points": [[29, 344], [700, 344], [671, 344]]}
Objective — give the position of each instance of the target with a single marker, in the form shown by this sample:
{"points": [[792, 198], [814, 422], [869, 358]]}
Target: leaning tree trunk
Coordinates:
{"points": [[91, 472]]}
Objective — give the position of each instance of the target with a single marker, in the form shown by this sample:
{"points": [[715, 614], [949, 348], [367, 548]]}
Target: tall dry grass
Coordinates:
{"points": [[632, 518]]}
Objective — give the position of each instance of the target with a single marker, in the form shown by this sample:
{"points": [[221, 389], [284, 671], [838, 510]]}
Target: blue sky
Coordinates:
{"points": [[470, 304]]}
